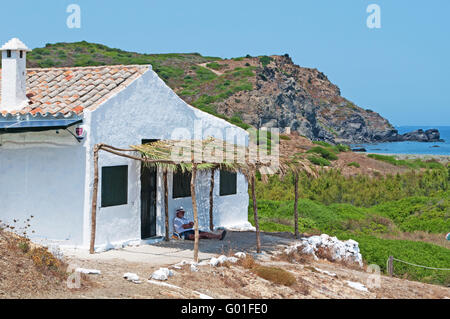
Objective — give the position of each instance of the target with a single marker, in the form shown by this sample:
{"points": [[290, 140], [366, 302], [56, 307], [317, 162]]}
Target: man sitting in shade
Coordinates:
{"points": [[185, 229]]}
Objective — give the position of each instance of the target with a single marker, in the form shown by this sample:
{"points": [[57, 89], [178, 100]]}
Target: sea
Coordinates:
{"points": [[433, 148]]}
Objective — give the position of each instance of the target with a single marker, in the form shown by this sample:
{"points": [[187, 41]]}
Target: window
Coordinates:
{"points": [[8, 53], [114, 186], [228, 183], [181, 184]]}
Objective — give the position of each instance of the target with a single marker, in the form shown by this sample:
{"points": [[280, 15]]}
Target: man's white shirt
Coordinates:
{"points": [[178, 224]]}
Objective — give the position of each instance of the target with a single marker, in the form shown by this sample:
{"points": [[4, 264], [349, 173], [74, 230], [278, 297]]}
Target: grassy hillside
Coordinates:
{"points": [[406, 216], [182, 72]]}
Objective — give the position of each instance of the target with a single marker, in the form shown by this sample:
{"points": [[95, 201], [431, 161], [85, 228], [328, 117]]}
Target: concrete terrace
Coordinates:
{"points": [[174, 251]]}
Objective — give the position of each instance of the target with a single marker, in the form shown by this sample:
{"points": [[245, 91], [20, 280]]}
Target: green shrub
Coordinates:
{"points": [[415, 164], [324, 152], [354, 164], [377, 251], [346, 221], [319, 161], [341, 148], [360, 190], [265, 60], [214, 66]]}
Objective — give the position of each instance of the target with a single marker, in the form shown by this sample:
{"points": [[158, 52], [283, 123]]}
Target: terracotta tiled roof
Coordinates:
{"points": [[72, 90]]}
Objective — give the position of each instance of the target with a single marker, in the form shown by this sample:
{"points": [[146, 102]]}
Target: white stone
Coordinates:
{"points": [[357, 286], [348, 250], [194, 268], [162, 274], [88, 271], [214, 262], [222, 259], [332, 274], [240, 255], [131, 276]]}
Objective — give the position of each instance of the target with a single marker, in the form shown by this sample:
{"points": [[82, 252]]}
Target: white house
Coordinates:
{"points": [[50, 121]]}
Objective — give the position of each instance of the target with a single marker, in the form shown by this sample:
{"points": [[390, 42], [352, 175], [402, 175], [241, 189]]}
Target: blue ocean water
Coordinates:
{"points": [[438, 148]]}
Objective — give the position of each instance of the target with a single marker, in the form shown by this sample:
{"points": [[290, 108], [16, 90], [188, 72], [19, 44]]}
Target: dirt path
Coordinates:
{"points": [[314, 279], [237, 282]]}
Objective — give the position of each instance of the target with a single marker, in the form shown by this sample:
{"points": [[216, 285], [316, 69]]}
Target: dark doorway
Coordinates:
{"points": [[148, 199]]}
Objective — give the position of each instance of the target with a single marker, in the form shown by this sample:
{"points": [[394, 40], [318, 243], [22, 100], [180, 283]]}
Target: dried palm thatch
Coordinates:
{"points": [[206, 154]]}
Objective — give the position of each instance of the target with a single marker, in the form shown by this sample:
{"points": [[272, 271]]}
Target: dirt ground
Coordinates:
{"points": [[232, 280]]}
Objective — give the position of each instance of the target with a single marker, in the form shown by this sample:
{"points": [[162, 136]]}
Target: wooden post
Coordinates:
{"points": [[297, 234], [166, 203], [194, 205], [94, 200], [255, 214], [391, 266], [211, 202]]}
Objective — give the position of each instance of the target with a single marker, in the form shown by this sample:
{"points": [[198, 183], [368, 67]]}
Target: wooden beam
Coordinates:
{"points": [[255, 215], [297, 234], [211, 202], [94, 200], [166, 203], [194, 205]]}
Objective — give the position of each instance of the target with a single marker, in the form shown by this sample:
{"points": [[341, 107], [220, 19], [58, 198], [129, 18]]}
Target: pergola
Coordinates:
{"points": [[193, 156]]}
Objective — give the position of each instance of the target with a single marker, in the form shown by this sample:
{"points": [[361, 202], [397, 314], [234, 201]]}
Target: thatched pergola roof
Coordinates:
{"points": [[209, 154]]}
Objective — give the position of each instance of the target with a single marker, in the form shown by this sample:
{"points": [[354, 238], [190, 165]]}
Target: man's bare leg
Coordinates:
{"points": [[205, 235]]}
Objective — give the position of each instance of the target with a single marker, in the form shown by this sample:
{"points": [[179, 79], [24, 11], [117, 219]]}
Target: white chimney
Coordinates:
{"points": [[14, 74]]}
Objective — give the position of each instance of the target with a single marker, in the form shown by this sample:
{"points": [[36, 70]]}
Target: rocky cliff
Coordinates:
{"points": [[304, 100]]}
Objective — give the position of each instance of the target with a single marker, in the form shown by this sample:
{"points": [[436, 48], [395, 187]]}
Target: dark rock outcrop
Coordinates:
{"points": [[286, 95], [431, 135]]}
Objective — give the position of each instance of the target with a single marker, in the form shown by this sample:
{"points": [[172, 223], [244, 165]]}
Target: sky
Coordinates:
{"points": [[401, 70]]}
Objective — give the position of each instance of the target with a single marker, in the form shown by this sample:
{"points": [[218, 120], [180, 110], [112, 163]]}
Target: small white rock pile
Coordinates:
{"points": [[340, 250], [162, 274]]}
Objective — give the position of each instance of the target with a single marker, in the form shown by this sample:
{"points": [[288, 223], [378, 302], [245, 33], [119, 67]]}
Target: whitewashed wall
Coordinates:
{"points": [[148, 109], [42, 174]]}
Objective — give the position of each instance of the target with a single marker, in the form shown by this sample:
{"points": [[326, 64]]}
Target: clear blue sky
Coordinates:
{"points": [[401, 71]]}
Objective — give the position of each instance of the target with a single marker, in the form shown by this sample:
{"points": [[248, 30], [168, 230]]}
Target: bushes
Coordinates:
{"points": [[319, 161], [214, 66], [341, 148], [415, 164], [332, 187], [354, 164], [418, 213], [325, 153], [377, 251], [346, 221], [265, 60]]}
